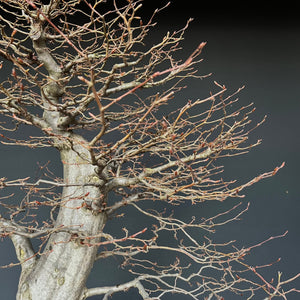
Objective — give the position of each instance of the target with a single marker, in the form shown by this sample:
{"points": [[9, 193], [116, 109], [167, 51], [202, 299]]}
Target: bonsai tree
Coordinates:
{"points": [[82, 73]]}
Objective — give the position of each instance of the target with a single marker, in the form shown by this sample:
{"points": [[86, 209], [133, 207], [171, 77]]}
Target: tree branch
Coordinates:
{"points": [[122, 181], [23, 247], [109, 290]]}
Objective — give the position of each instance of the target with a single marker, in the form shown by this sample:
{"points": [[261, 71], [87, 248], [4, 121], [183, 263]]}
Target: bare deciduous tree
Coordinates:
{"points": [[82, 74]]}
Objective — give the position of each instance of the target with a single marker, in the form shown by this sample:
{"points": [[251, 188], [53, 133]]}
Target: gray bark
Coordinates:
{"points": [[62, 269], [61, 272]]}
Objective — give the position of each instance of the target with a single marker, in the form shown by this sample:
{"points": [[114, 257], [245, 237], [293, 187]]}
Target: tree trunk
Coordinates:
{"points": [[62, 270]]}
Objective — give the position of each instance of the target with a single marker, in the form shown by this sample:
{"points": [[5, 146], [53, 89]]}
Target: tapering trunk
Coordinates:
{"points": [[63, 268], [61, 272]]}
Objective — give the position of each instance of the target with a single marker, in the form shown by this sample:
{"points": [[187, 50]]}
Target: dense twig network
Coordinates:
{"points": [[84, 74]]}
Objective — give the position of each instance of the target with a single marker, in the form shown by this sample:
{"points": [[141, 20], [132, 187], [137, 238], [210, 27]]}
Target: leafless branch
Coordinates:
{"points": [[83, 73]]}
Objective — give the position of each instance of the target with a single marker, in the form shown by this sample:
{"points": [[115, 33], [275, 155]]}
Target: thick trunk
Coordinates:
{"points": [[61, 272]]}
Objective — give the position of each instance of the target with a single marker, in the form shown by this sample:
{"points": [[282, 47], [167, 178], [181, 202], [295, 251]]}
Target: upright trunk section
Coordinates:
{"points": [[61, 272]]}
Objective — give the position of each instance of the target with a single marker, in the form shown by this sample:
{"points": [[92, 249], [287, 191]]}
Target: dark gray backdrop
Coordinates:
{"points": [[255, 46]]}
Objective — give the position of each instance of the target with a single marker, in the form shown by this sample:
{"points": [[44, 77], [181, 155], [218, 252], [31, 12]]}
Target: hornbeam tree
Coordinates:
{"points": [[85, 76]]}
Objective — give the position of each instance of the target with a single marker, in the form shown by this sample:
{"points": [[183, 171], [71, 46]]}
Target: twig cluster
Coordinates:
{"points": [[83, 73]]}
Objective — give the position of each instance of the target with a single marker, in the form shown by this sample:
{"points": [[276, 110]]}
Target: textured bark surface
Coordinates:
{"points": [[63, 268], [62, 271]]}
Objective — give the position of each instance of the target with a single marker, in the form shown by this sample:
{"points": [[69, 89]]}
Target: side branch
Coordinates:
{"points": [[109, 290], [148, 82], [23, 247], [122, 181]]}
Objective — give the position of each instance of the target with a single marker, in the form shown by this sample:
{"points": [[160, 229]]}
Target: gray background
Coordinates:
{"points": [[255, 46]]}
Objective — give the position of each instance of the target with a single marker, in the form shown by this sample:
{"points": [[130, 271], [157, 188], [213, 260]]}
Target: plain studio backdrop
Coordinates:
{"points": [[255, 46]]}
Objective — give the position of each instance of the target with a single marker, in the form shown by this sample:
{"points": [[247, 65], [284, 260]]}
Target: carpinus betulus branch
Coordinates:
{"points": [[136, 155]]}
